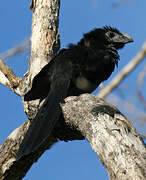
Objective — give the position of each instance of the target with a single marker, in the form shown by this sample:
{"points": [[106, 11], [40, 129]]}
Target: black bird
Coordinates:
{"points": [[73, 71]]}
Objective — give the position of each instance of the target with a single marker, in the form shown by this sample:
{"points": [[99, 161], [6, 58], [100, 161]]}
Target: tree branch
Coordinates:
{"points": [[121, 3], [20, 48], [139, 85], [123, 73], [8, 78], [111, 135], [10, 168], [112, 123], [44, 45]]}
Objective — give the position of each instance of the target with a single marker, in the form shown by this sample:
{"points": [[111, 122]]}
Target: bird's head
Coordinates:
{"points": [[105, 42], [102, 37], [116, 38]]}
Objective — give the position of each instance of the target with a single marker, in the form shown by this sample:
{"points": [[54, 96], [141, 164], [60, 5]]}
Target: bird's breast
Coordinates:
{"points": [[84, 84]]}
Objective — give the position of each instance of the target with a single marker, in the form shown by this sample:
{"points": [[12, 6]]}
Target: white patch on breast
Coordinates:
{"points": [[84, 84]]}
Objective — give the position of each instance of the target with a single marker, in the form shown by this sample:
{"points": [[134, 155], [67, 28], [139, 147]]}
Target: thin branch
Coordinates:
{"points": [[144, 136], [127, 106], [44, 45], [18, 49], [95, 4], [8, 78], [139, 92], [123, 73], [121, 3]]}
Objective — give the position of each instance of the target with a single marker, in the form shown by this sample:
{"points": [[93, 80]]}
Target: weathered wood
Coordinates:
{"points": [[8, 78], [10, 168], [111, 135], [118, 145], [44, 45], [45, 36]]}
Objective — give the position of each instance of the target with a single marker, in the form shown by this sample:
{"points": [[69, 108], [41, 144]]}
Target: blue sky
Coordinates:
{"points": [[73, 160]]}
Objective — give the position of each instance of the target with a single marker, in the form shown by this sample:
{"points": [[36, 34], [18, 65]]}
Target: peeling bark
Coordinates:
{"points": [[111, 135], [44, 45], [10, 168], [8, 78], [45, 36]]}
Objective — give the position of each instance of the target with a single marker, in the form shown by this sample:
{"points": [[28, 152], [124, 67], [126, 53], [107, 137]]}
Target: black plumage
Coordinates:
{"points": [[73, 71]]}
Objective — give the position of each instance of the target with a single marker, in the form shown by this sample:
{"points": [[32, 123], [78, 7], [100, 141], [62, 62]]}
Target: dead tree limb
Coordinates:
{"points": [[44, 45], [111, 135], [140, 82], [18, 49], [8, 78], [10, 169]]}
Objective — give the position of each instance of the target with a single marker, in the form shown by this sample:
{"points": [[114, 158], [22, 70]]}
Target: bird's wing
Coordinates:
{"points": [[46, 118]]}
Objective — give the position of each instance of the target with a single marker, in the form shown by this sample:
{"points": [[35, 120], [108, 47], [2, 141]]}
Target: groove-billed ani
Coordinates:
{"points": [[78, 69]]}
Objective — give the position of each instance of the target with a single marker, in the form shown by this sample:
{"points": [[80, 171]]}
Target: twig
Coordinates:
{"points": [[127, 106], [123, 73], [139, 92], [8, 78], [44, 45], [18, 49], [143, 136], [121, 3]]}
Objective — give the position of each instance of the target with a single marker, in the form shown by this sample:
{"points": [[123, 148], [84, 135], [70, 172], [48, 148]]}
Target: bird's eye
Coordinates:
{"points": [[111, 34]]}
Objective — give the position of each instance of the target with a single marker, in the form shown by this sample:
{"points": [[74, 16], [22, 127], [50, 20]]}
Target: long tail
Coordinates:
{"points": [[44, 122], [46, 118]]}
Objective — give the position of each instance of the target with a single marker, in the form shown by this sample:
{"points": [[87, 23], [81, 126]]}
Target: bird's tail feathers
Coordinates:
{"points": [[45, 120]]}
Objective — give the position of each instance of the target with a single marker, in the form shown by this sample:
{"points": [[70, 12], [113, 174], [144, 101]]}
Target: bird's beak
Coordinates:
{"points": [[126, 38], [122, 39]]}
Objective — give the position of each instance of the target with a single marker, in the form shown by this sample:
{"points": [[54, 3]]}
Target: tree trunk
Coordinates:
{"points": [[44, 45], [111, 135]]}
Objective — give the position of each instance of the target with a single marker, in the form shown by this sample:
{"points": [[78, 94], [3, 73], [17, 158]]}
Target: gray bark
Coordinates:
{"points": [[44, 45], [111, 135]]}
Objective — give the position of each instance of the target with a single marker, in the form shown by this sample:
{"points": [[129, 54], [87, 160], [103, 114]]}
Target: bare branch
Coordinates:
{"points": [[95, 3], [121, 3], [8, 78], [144, 136], [44, 45], [111, 135], [12, 169], [18, 49], [117, 128], [45, 36], [139, 92], [123, 73], [127, 106]]}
